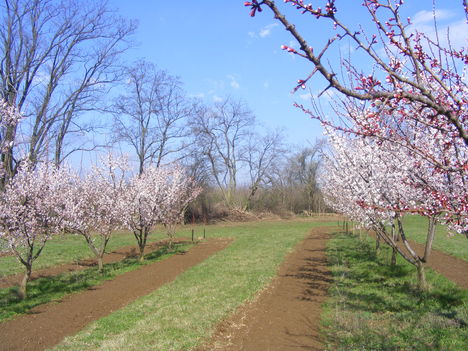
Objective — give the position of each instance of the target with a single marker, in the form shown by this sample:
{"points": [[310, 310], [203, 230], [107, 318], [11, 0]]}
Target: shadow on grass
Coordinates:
{"points": [[46, 289], [375, 306]]}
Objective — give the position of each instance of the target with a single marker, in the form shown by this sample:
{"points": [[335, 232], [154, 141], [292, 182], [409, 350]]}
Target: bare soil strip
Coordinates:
{"points": [[286, 315], [48, 324], [114, 256]]}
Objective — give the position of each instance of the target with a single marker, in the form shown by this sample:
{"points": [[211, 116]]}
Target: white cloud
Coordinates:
{"points": [[306, 97], [427, 17], [456, 30], [217, 98], [266, 31], [197, 95], [233, 82]]}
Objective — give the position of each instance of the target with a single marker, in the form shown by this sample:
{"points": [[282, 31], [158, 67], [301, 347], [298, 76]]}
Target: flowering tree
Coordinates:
{"points": [[414, 97], [31, 212], [179, 191], [158, 195], [95, 208], [374, 184]]}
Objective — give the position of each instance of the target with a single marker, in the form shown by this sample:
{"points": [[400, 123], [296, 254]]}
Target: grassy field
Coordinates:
{"points": [[181, 314], [67, 249], [455, 245], [373, 306], [44, 290]]}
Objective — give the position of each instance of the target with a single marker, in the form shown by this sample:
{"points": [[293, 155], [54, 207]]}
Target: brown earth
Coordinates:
{"points": [[111, 257], [451, 267], [48, 324], [286, 315]]}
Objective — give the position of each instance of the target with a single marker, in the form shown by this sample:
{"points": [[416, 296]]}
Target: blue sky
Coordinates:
{"points": [[218, 50]]}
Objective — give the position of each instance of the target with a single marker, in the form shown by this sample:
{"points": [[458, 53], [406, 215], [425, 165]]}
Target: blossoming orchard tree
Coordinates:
{"points": [[95, 206], [414, 94], [158, 195], [32, 211], [179, 191], [375, 184], [403, 146]]}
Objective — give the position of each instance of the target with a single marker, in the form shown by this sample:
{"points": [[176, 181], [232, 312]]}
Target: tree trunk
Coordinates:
{"points": [[24, 282], [141, 255], [377, 245], [142, 244], [100, 264], [395, 239], [422, 283], [429, 239]]}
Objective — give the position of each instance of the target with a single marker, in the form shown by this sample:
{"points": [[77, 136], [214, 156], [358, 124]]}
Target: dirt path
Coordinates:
{"points": [[111, 257], [286, 315], [48, 324]]}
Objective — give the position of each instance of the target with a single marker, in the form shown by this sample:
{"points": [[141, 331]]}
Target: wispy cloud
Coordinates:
{"points": [[450, 27], [264, 32], [198, 96], [328, 95], [217, 98], [427, 17], [306, 97], [233, 82]]}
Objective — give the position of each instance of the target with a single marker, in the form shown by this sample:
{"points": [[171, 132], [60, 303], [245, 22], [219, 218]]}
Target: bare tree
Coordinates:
{"points": [[303, 171], [262, 157], [151, 116], [222, 134], [56, 57]]}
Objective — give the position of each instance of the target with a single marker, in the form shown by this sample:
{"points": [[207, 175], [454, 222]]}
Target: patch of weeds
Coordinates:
{"points": [[374, 306]]}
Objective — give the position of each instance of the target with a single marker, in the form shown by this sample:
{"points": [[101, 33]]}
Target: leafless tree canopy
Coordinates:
{"points": [[58, 57], [151, 115], [222, 133]]}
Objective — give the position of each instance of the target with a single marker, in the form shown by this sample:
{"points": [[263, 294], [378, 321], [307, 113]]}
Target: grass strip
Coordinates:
{"points": [[48, 289], [68, 249], [374, 306], [182, 314]]}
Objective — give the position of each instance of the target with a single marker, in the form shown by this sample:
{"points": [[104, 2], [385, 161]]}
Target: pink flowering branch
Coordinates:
{"points": [[391, 30]]}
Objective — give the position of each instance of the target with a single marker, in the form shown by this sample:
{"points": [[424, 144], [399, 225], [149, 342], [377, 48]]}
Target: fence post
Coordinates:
{"points": [[193, 232]]}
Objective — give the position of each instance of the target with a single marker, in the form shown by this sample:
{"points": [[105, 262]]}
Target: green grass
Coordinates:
{"points": [[47, 289], [455, 245], [181, 314], [67, 249], [373, 306]]}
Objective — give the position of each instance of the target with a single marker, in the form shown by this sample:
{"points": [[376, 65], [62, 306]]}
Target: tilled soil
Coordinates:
{"points": [[111, 257], [286, 315], [48, 324]]}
